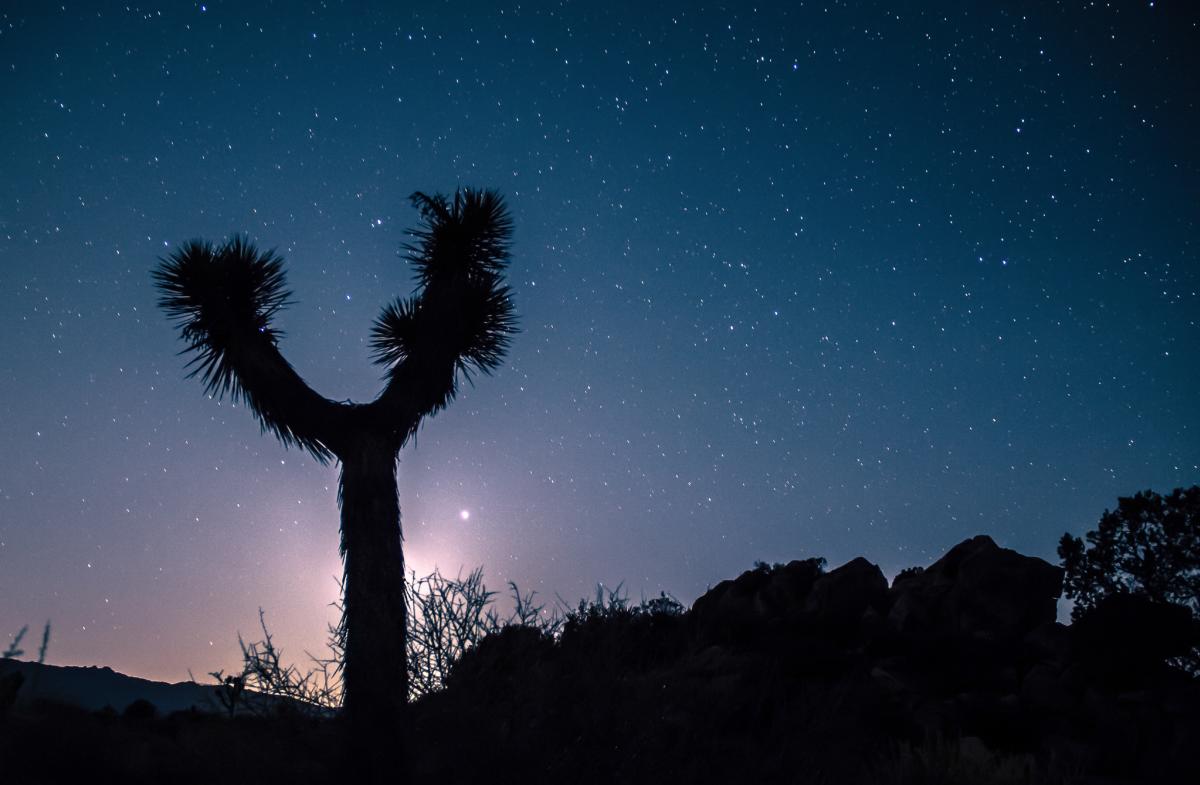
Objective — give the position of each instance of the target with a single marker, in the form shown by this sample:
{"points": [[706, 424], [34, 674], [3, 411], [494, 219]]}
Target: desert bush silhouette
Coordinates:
{"points": [[448, 617]]}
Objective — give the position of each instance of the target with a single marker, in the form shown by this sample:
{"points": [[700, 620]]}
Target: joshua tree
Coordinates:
{"points": [[222, 299]]}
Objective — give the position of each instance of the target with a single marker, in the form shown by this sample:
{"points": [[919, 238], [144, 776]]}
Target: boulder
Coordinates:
{"points": [[839, 599], [977, 590], [789, 586], [737, 609]]}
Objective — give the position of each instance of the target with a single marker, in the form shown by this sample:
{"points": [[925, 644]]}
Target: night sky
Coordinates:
{"points": [[801, 279]]}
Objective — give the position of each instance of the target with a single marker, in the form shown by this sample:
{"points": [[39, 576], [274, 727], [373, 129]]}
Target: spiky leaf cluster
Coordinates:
{"points": [[216, 295], [462, 310], [471, 235], [222, 298]]}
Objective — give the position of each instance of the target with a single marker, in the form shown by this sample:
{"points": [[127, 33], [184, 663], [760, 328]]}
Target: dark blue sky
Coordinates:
{"points": [[805, 279]]}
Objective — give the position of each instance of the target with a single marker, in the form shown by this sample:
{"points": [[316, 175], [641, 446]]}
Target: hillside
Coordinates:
{"points": [[97, 688]]}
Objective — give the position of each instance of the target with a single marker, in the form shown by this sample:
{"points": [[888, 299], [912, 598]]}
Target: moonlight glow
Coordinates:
{"points": [[465, 515]]}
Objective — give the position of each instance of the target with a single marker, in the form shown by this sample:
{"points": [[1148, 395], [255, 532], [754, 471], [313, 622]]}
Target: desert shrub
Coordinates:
{"points": [[266, 686], [613, 605], [610, 629], [447, 618], [450, 616]]}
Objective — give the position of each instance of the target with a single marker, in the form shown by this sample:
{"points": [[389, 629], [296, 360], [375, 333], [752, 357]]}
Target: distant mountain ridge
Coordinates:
{"points": [[93, 688]]}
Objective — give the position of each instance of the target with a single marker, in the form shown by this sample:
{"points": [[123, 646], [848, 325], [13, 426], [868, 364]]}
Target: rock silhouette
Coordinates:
{"points": [[793, 674], [977, 590]]}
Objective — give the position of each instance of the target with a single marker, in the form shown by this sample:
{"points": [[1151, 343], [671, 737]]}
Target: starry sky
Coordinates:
{"points": [[794, 279]]}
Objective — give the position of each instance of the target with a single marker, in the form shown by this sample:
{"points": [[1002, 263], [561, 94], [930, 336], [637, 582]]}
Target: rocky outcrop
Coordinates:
{"points": [[839, 600], [790, 665], [756, 601], [977, 590]]}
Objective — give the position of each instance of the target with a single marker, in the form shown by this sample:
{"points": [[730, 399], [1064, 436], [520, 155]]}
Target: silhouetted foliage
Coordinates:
{"points": [[1148, 546], [450, 616], [1147, 549], [620, 633], [267, 686], [447, 618], [223, 298], [228, 691]]}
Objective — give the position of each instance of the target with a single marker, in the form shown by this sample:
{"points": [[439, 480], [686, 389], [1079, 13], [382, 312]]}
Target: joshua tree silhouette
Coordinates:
{"points": [[222, 299]]}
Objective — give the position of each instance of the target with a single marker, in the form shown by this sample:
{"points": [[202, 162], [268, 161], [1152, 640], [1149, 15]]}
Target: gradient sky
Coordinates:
{"points": [[803, 279]]}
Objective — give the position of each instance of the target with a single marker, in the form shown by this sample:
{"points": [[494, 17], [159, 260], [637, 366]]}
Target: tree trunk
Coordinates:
{"points": [[376, 672]]}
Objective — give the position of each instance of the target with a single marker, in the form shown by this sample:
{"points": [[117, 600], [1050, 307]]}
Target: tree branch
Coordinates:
{"points": [[222, 299], [461, 319]]}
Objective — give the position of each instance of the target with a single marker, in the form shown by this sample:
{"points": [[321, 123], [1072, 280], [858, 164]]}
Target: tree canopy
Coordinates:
{"points": [[1149, 546]]}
